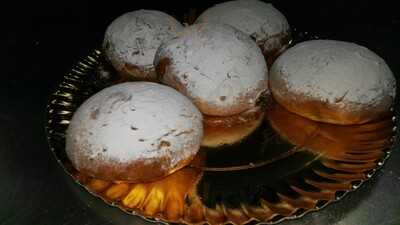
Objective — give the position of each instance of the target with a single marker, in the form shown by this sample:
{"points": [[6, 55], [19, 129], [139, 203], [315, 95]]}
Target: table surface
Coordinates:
{"points": [[41, 44]]}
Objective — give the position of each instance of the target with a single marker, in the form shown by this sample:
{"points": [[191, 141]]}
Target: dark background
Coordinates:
{"points": [[41, 40]]}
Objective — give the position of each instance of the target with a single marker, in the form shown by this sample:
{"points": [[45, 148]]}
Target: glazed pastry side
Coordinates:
{"points": [[135, 131], [132, 39], [333, 82], [227, 130]]}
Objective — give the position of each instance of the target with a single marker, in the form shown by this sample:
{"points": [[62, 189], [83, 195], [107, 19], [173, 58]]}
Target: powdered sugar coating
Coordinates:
{"points": [[133, 38], [134, 121], [219, 67], [342, 74], [256, 18]]}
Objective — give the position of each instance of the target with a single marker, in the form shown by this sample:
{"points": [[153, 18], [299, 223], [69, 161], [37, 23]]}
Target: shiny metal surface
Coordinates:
{"points": [[35, 190], [281, 179]]}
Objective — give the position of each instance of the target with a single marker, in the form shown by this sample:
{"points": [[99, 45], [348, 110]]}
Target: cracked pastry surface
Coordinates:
{"points": [[220, 68], [131, 41], [134, 131], [260, 20], [333, 81]]}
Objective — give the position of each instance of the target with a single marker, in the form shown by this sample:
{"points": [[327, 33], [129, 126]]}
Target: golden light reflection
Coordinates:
{"points": [[357, 146], [349, 150], [166, 198]]}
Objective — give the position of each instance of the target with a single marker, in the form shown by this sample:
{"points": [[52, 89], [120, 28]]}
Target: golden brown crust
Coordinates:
{"points": [[129, 72], [134, 172], [241, 104], [234, 120], [137, 171], [324, 112], [271, 51], [162, 66], [230, 129]]}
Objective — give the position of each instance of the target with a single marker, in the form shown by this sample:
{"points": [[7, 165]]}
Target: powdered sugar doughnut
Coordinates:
{"points": [[132, 39], [333, 81], [135, 131], [217, 66], [260, 20]]}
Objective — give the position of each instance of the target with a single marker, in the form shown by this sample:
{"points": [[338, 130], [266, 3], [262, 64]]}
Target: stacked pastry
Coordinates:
{"points": [[208, 85]]}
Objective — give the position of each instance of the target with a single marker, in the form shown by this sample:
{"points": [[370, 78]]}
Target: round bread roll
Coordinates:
{"points": [[134, 131], [228, 130], [264, 23], [334, 82], [217, 66], [132, 39]]}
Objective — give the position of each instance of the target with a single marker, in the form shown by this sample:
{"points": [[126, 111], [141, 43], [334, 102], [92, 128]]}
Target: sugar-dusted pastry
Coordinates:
{"points": [[134, 131], [132, 39], [260, 20], [220, 69], [333, 81]]}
